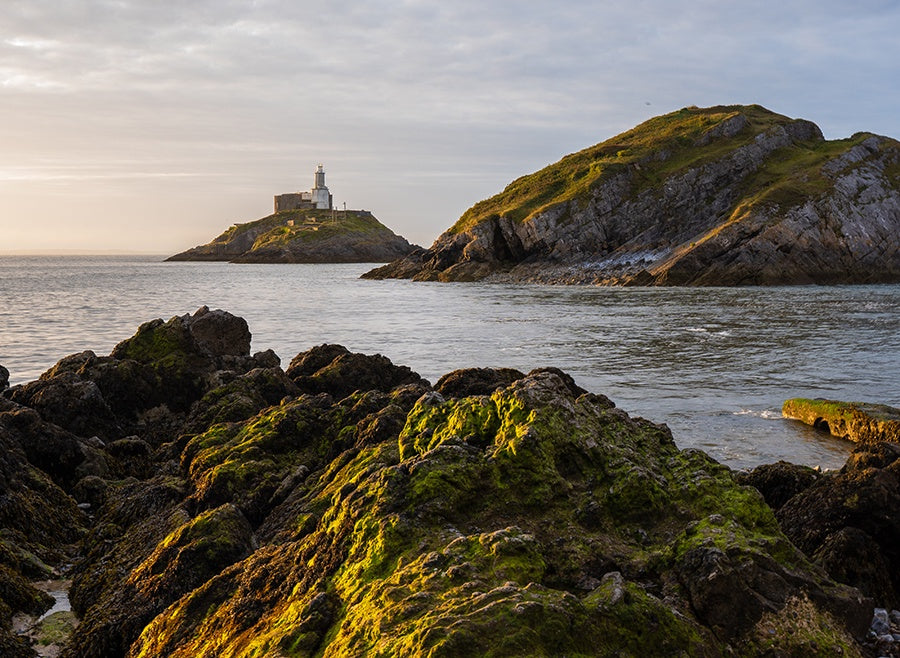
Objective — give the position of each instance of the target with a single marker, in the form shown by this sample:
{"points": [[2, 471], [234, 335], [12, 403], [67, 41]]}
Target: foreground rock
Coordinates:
{"points": [[305, 236], [728, 195], [346, 507], [862, 422], [848, 522]]}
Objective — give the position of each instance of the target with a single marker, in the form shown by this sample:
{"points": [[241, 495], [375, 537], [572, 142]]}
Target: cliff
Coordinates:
{"points": [[728, 195], [345, 506], [305, 236]]}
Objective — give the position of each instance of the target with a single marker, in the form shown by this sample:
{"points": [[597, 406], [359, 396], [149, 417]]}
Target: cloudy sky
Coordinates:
{"points": [[152, 125]]}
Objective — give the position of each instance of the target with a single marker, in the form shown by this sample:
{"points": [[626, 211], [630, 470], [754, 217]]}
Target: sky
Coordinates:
{"points": [[153, 125]]}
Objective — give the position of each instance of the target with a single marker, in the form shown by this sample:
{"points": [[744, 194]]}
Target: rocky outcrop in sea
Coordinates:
{"points": [[728, 195], [861, 422], [205, 501], [304, 236]]}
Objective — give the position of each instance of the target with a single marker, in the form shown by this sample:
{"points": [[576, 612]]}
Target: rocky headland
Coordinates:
{"points": [[206, 501], [727, 195], [304, 236]]}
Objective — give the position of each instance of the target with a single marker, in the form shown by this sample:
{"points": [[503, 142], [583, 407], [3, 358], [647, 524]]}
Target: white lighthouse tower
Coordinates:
{"points": [[321, 197]]}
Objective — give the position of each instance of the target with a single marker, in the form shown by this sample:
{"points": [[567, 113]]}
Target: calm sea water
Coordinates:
{"points": [[714, 364]]}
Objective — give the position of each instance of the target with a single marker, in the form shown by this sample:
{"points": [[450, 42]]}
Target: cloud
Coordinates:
{"points": [[406, 94]]}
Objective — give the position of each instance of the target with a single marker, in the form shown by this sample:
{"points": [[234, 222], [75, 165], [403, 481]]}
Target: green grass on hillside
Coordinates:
{"points": [[308, 226], [662, 147]]}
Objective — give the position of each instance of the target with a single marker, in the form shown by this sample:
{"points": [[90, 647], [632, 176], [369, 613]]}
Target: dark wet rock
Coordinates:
{"points": [[220, 333], [39, 525], [70, 402], [132, 520], [309, 362], [779, 482], [334, 370], [195, 551], [149, 382], [850, 522], [4, 378], [133, 455], [240, 397], [861, 422], [91, 490], [476, 381]]}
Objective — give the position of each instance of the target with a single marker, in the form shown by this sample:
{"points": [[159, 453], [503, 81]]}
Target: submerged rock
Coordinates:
{"points": [[862, 422]]}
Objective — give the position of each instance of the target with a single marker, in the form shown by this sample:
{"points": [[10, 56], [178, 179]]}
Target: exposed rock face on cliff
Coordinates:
{"points": [[347, 507], [733, 195], [305, 236]]}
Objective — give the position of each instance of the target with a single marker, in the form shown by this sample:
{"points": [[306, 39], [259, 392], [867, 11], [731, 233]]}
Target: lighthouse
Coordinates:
{"points": [[321, 197], [318, 197]]}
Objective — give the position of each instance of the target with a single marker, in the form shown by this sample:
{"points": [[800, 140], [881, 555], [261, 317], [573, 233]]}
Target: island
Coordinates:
{"points": [[305, 228], [726, 195]]}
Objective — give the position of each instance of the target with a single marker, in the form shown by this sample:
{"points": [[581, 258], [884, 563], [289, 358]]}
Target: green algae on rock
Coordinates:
{"points": [[529, 522], [861, 422], [346, 507]]}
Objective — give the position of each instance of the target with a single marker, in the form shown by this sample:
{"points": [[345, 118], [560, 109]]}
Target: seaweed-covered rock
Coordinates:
{"points": [[186, 558], [240, 398], [39, 524], [861, 422], [134, 517], [533, 521], [850, 522], [334, 370], [347, 508], [69, 401], [148, 383], [65, 457]]}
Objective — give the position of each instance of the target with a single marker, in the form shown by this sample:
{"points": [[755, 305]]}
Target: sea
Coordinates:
{"points": [[714, 364]]}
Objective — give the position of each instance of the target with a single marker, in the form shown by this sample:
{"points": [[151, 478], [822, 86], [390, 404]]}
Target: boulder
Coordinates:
{"points": [[861, 422], [335, 370], [779, 482], [476, 381], [4, 378], [849, 522]]}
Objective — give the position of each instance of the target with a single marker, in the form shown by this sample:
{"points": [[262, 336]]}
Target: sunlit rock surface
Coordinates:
{"points": [[861, 422], [726, 195], [347, 507]]}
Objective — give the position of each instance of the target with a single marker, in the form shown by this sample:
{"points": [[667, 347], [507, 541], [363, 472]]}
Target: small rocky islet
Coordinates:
{"points": [[728, 195], [304, 236], [306, 227], [205, 501]]}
